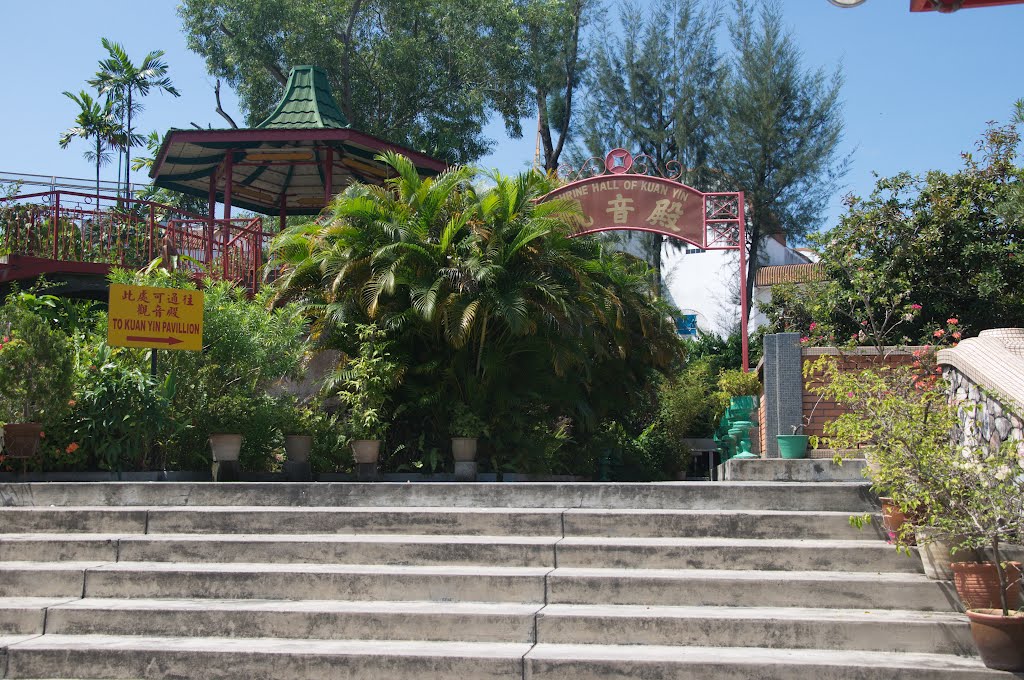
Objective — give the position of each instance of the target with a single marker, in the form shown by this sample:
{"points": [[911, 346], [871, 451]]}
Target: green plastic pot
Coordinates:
{"points": [[792, 445]]}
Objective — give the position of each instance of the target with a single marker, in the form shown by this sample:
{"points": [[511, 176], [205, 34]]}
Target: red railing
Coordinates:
{"points": [[67, 226]]}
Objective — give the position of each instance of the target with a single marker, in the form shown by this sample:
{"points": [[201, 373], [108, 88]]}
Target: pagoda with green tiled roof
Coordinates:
{"points": [[289, 164], [307, 103]]}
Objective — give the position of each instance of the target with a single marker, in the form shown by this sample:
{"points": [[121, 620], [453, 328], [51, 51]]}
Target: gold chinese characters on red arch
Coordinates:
{"points": [[637, 202]]}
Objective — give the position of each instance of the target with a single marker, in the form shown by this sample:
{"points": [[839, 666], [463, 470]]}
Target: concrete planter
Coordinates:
{"points": [[225, 447], [298, 447], [464, 449], [366, 451], [937, 556]]}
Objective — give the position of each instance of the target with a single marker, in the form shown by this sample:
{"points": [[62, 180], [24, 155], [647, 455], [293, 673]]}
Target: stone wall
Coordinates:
{"points": [[986, 383]]}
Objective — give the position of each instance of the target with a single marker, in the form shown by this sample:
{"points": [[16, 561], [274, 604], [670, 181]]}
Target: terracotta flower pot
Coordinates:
{"points": [[21, 440], [977, 584], [464, 449], [1000, 639], [365, 450], [893, 519], [225, 447], [298, 447]]}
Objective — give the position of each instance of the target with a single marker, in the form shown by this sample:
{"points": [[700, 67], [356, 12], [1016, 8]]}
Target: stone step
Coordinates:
{"points": [[107, 656], [437, 521], [734, 553], [793, 470], [771, 627], [728, 523], [304, 619], [316, 582], [722, 588], [74, 520], [628, 662], [43, 579], [843, 497], [26, 615], [774, 627], [511, 551]]}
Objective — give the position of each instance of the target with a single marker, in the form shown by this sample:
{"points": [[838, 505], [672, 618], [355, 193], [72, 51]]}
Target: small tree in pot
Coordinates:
{"points": [[466, 428], [364, 384], [977, 495]]}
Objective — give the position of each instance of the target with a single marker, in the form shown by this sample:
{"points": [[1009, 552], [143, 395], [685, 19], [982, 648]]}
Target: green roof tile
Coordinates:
{"points": [[307, 103]]}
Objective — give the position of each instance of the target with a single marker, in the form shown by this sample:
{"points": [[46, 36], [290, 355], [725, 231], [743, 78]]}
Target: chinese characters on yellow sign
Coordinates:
{"points": [[165, 318]]}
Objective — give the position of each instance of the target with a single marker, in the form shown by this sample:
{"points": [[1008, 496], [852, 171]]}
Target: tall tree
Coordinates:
{"points": [[554, 66], [95, 124], [423, 73], [782, 133], [657, 91], [126, 84]]}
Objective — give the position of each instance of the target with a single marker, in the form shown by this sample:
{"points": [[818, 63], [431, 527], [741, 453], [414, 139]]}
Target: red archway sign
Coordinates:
{"points": [[617, 199]]}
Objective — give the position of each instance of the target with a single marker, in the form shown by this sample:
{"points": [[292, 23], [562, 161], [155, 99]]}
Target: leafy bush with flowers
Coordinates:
{"points": [[917, 252], [903, 414]]}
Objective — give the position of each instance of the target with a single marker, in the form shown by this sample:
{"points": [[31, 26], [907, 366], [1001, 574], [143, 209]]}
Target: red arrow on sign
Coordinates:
{"points": [[162, 341]]}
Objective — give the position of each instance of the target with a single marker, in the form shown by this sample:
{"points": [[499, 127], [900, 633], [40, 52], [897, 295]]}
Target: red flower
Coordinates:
{"points": [[939, 333], [805, 339], [42, 435], [72, 447], [915, 306], [956, 335], [952, 322]]}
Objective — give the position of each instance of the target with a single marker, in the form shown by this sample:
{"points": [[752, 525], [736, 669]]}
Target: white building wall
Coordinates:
{"points": [[707, 283]]}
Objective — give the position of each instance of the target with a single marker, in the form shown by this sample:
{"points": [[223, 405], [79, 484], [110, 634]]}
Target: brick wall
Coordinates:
{"points": [[819, 410]]}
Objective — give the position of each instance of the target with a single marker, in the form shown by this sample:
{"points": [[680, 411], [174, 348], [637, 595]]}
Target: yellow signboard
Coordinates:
{"points": [[164, 318]]}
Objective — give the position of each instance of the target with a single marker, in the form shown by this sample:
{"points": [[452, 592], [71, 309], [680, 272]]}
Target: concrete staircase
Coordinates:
{"points": [[679, 581]]}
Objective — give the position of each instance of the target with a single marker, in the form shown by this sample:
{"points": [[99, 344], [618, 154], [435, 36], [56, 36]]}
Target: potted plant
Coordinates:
{"points": [[35, 376], [793, 445], [977, 495], [466, 428], [364, 384], [228, 415], [297, 425]]}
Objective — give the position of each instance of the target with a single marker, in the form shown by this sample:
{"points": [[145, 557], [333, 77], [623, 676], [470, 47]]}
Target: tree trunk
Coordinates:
{"points": [[754, 236], [128, 151], [99, 148], [543, 126]]}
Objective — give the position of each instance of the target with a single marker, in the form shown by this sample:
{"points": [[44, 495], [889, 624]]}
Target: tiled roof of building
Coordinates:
{"points": [[789, 273], [307, 103]]}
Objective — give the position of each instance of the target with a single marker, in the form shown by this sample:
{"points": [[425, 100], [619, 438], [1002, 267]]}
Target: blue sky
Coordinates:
{"points": [[919, 87]]}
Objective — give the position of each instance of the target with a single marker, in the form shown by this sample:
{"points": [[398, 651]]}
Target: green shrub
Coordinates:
{"points": [[36, 367], [120, 411]]}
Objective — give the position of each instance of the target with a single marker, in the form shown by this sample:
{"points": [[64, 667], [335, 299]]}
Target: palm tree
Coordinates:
{"points": [[125, 83], [97, 124], [486, 295]]}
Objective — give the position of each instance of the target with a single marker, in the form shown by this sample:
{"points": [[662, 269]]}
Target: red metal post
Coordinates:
{"points": [[56, 221], [328, 175], [704, 212], [210, 234], [152, 228], [744, 340], [229, 159]]}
